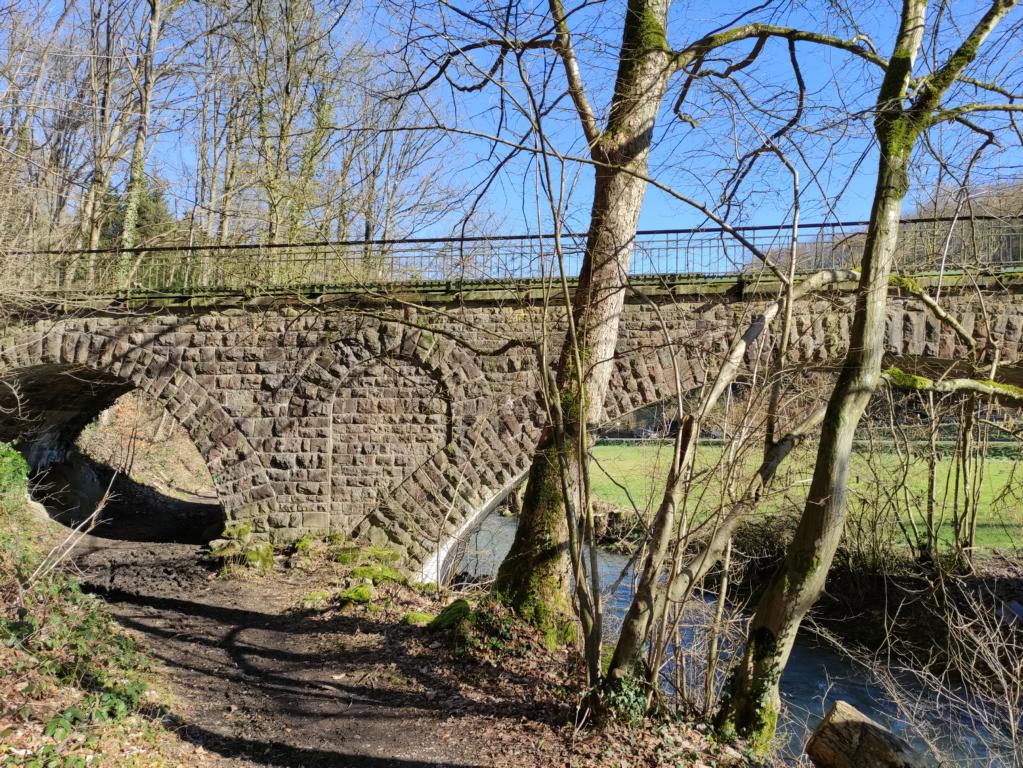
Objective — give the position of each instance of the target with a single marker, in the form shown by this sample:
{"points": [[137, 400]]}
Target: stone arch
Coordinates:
{"points": [[324, 397], [68, 371], [485, 448], [389, 417]]}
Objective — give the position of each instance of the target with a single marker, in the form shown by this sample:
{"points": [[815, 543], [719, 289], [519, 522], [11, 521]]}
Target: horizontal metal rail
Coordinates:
{"points": [[925, 245]]}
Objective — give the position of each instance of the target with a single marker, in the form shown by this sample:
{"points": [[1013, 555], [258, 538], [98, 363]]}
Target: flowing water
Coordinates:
{"points": [[815, 678]]}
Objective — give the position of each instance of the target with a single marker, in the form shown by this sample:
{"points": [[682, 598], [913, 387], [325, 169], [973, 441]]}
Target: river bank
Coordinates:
{"points": [[322, 661], [833, 658]]}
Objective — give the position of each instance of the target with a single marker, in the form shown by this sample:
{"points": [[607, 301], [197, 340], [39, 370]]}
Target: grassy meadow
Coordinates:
{"points": [[882, 489]]}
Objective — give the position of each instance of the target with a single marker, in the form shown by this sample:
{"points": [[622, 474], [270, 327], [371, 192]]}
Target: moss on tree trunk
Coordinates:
{"points": [[535, 578]]}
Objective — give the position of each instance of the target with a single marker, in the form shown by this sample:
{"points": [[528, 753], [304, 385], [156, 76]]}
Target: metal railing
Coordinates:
{"points": [[925, 245]]}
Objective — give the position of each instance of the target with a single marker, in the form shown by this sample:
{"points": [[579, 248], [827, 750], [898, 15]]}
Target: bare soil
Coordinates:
{"points": [[258, 680]]}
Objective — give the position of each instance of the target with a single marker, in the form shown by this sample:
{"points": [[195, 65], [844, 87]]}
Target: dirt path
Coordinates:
{"points": [[257, 683]]}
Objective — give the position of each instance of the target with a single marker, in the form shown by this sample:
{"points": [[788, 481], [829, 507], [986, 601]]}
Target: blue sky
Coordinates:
{"points": [[835, 157], [833, 151]]}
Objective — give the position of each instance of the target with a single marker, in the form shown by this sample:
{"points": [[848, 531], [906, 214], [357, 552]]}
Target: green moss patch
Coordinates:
{"points": [[452, 616], [899, 378], [907, 284], [418, 618], [236, 547], [358, 555], [1009, 390], [238, 531], [360, 594], [377, 573]]}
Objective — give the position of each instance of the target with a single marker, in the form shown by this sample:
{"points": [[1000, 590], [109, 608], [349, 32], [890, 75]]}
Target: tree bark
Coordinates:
{"points": [[651, 596], [752, 700], [137, 168], [534, 578]]}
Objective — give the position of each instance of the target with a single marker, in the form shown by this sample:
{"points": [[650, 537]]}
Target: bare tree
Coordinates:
{"points": [[906, 107]]}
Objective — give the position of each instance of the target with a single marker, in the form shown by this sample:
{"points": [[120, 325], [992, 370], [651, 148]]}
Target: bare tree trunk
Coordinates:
{"points": [[752, 700], [534, 578], [651, 596], [232, 131], [136, 178]]}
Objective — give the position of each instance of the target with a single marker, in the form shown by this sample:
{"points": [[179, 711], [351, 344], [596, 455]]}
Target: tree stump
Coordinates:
{"points": [[849, 739]]}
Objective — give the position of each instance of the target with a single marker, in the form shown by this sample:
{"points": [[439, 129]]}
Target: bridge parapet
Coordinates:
{"points": [[926, 245]]}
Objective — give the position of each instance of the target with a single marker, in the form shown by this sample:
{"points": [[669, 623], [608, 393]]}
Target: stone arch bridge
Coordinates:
{"points": [[400, 419]]}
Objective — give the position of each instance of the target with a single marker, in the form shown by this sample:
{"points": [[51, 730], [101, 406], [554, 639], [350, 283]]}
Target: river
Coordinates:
{"points": [[815, 678]]}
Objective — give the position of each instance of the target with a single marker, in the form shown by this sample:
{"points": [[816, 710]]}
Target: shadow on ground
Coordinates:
{"points": [[72, 490], [266, 685]]}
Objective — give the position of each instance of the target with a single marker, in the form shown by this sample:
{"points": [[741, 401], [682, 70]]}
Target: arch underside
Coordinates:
{"points": [[45, 407], [55, 381]]}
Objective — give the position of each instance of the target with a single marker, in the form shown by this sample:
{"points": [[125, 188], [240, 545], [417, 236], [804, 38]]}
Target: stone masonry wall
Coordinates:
{"points": [[391, 424]]}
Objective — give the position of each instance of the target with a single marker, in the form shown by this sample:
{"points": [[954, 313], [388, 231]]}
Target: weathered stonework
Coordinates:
{"points": [[389, 423]]}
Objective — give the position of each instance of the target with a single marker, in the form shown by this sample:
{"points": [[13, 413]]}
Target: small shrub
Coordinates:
{"points": [[626, 701], [303, 546], [236, 547], [347, 556], [259, 555], [492, 630], [13, 470]]}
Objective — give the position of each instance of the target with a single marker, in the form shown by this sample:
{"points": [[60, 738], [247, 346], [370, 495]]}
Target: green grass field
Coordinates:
{"points": [[881, 489]]}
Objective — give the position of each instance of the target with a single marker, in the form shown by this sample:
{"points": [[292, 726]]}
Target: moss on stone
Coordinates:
{"points": [[377, 573], [368, 554], [425, 587], [451, 616], [418, 618], [361, 594], [239, 531], [224, 549]]}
